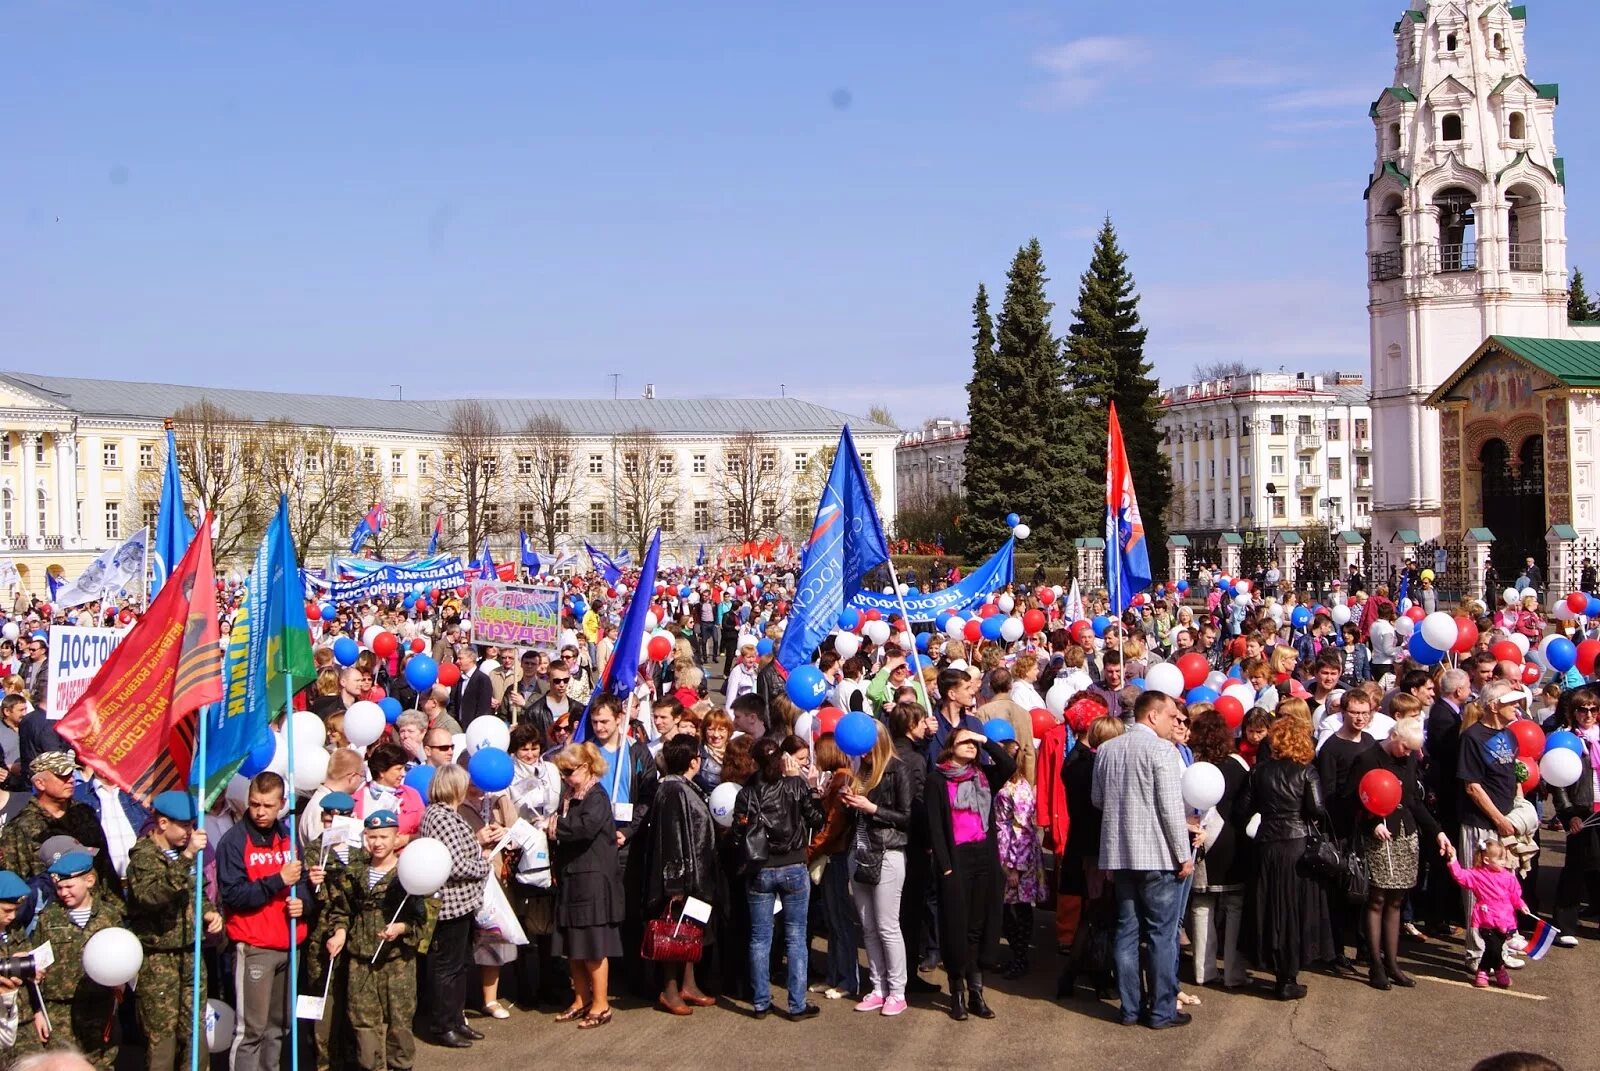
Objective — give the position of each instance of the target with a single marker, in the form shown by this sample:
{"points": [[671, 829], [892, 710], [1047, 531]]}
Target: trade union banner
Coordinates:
{"points": [[76, 655], [515, 615], [359, 580]]}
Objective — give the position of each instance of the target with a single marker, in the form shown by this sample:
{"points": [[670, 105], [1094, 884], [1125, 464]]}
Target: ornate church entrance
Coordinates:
{"points": [[1513, 503]]}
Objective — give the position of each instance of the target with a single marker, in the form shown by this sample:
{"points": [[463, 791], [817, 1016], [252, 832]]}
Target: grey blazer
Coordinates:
{"points": [[1138, 788]]}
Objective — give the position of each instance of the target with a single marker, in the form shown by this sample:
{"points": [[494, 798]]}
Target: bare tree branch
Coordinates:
{"points": [[751, 485], [470, 481], [552, 483], [217, 455], [644, 477]]}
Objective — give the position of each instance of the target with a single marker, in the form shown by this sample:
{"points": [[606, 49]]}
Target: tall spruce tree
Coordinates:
{"points": [[1105, 363], [1579, 307]]}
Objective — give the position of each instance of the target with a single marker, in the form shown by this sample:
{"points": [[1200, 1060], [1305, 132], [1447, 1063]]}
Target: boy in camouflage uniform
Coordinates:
{"points": [[160, 885], [81, 1011], [13, 995], [327, 865], [382, 929]]}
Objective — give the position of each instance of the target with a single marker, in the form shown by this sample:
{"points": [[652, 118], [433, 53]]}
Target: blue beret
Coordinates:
{"points": [[382, 820], [178, 806], [338, 801], [12, 887], [71, 865]]}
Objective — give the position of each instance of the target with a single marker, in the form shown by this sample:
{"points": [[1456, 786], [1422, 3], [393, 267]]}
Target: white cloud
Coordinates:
{"points": [[1322, 97], [1079, 70]]}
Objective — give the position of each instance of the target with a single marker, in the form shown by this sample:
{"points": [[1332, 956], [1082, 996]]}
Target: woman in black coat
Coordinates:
{"points": [[1080, 871], [682, 862], [589, 897], [1216, 905], [1580, 874], [959, 795]]}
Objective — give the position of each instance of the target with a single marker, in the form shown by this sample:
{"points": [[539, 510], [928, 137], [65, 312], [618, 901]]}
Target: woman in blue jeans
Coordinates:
{"points": [[786, 807]]}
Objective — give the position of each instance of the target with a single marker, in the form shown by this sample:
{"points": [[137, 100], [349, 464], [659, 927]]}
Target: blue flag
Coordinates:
{"points": [[368, 526], [603, 565], [438, 529], [54, 583], [964, 596], [623, 668], [487, 570], [846, 543], [1127, 553], [530, 557], [174, 531], [700, 558]]}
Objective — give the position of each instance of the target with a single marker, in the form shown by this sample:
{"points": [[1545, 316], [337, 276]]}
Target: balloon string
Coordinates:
{"points": [[402, 907]]}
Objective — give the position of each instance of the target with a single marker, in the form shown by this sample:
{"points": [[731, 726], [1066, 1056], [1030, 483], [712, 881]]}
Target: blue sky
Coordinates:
{"points": [[718, 198]]}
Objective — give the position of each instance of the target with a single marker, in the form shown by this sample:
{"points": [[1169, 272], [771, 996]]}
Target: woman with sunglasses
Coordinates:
{"points": [[1576, 805]]}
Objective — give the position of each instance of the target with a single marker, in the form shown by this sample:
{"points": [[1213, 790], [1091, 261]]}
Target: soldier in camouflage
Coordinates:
{"points": [[13, 891], [53, 812], [382, 928], [160, 885], [328, 855], [80, 1011]]}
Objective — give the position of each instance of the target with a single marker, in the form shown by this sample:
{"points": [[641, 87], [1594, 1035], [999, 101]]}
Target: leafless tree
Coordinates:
{"points": [[751, 485], [323, 481], [645, 475], [471, 482], [809, 484], [1209, 370], [548, 449], [218, 453]]}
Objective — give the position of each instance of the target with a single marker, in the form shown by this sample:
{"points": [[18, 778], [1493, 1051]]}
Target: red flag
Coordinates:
{"points": [[135, 723]]}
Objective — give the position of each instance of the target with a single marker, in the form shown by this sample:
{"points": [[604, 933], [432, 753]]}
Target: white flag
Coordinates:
{"points": [[9, 577], [108, 574]]}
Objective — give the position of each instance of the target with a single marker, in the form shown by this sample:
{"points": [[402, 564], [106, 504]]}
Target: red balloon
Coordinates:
{"points": [[1531, 673], [1578, 602], [1588, 651], [1033, 622], [449, 674], [659, 648], [423, 607], [973, 631], [828, 718], [1466, 635], [1530, 738], [1351, 602], [461, 591], [988, 610], [1380, 792], [1506, 651], [313, 612], [1046, 596], [873, 615], [384, 644], [419, 645], [1416, 613], [1530, 782], [1195, 669], [1232, 711], [1043, 722]]}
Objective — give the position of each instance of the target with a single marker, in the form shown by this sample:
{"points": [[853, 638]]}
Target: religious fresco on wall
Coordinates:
{"points": [[1500, 385]]}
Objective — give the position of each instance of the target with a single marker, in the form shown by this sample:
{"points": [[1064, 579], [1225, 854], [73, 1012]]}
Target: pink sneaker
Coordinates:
{"points": [[1502, 978], [873, 1002], [894, 1005], [1481, 981]]}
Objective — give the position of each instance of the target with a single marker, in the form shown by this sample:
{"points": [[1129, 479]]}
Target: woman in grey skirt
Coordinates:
{"points": [[1390, 847]]}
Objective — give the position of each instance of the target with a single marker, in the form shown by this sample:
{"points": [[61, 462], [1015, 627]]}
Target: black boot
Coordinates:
{"points": [[1067, 984], [958, 998], [975, 996], [1377, 977]]}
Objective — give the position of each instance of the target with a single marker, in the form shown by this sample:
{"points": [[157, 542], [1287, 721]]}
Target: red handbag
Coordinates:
{"points": [[672, 940]]}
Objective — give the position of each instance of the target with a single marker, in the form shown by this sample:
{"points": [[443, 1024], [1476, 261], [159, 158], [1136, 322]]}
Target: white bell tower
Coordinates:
{"points": [[1466, 230]]}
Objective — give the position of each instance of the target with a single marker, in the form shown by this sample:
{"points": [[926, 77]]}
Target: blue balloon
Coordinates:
{"points": [[764, 647], [421, 672], [1593, 609], [1421, 652], [856, 733], [849, 618], [1138, 682], [922, 641], [683, 592], [260, 756], [912, 591], [421, 779], [490, 769], [992, 626], [943, 620], [1561, 654], [391, 709], [999, 730], [409, 601], [328, 612], [1183, 587], [346, 651], [807, 687], [1236, 674], [1101, 623], [1300, 618], [1200, 694], [1012, 520], [1563, 738]]}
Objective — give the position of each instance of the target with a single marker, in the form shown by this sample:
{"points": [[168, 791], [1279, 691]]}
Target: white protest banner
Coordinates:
{"points": [[76, 655]]}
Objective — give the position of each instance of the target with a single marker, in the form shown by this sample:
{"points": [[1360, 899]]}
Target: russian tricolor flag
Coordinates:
{"points": [[1539, 941]]}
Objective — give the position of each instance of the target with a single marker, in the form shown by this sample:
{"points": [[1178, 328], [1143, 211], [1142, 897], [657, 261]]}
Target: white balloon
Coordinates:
{"points": [[10, 631], [466, 624], [1202, 786], [1404, 627], [1521, 641], [372, 633], [363, 723], [1056, 591], [1439, 631], [218, 1020], [1059, 695], [280, 755], [651, 621], [888, 590], [1022, 531], [877, 632], [723, 797], [847, 644], [1164, 677], [367, 620], [903, 589], [1242, 585], [113, 956], [1216, 680], [1242, 599], [310, 766], [1245, 694], [424, 866], [1511, 597], [1563, 612], [956, 628], [308, 729], [1006, 602], [1560, 768], [486, 730], [1011, 629], [804, 724], [1341, 616], [238, 793]]}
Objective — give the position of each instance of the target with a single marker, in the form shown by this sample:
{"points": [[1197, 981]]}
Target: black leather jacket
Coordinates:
{"points": [[888, 829], [788, 811], [1577, 799], [1288, 797]]}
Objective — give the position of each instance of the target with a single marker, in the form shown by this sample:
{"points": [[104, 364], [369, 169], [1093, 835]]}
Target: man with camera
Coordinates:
{"points": [[16, 971]]}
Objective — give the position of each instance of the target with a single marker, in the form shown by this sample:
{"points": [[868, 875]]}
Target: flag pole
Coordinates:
{"points": [[905, 615], [197, 989], [289, 794]]}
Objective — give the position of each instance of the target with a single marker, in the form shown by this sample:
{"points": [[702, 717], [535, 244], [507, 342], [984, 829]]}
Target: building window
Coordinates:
{"points": [[5, 447], [1363, 468], [597, 464], [44, 511], [805, 509], [697, 465], [422, 464], [1244, 466], [1307, 507], [1361, 429], [369, 459], [113, 520], [1227, 466], [397, 464], [597, 518], [1363, 507], [669, 516], [1195, 465], [148, 512], [1335, 509], [1211, 510], [524, 464], [38, 449], [6, 522], [733, 464], [341, 460], [1519, 126], [1304, 466], [1277, 425], [769, 513], [1275, 466], [735, 514], [769, 461], [491, 517], [491, 465], [866, 463], [1244, 427], [563, 520], [1211, 469], [630, 464], [1335, 430], [702, 516], [1304, 426], [561, 462], [1450, 129], [109, 458], [665, 465], [1279, 508], [1335, 468], [801, 460], [1227, 509], [1449, 42], [527, 516], [630, 520]]}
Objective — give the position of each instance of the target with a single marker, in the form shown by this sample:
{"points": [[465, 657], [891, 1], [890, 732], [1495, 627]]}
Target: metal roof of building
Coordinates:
{"points": [[585, 417]]}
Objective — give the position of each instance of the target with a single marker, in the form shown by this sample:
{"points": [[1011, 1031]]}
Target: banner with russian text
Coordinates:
{"points": [[516, 614], [76, 655]]}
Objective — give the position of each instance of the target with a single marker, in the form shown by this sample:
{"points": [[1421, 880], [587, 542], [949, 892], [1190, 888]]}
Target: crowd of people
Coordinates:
{"points": [[687, 842]]}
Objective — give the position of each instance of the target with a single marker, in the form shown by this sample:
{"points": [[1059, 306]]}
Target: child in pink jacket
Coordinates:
{"points": [[1497, 897]]}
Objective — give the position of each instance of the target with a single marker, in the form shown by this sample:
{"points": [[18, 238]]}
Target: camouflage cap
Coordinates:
{"points": [[60, 763]]}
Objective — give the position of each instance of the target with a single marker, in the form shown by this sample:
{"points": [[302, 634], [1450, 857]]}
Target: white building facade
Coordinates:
{"points": [[931, 463], [1268, 450], [1466, 232], [81, 463]]}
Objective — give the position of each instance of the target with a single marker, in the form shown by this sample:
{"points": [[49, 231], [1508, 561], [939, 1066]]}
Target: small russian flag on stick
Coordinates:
{"points": [[1540, 940]]}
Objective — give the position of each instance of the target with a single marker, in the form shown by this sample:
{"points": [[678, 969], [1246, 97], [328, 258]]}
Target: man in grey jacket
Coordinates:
{"points": [[1145, 843]]}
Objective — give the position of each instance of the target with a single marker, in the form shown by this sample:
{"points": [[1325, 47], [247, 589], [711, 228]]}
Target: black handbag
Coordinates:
{"points": [[1321, 858], [1354, 880]]}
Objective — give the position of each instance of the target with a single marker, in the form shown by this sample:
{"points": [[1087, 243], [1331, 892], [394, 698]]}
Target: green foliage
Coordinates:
{"points": [[1579, 307]]}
